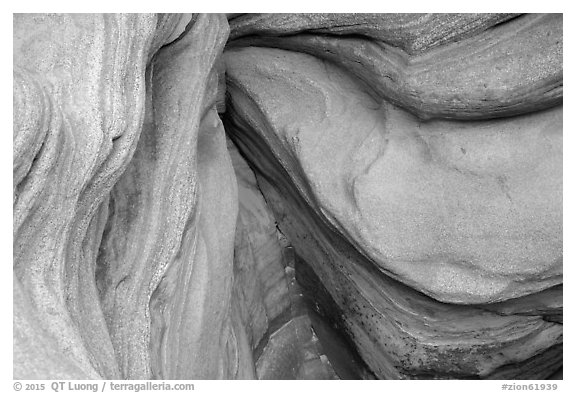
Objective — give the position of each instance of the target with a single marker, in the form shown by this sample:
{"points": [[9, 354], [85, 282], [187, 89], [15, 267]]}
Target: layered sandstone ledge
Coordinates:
{"points": [[400, 217]]}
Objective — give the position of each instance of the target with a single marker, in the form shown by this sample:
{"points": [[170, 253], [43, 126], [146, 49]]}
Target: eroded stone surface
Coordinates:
{"points": [[78, 106], [467, 213], [412, 33], [511, 68], [143, 247], [276, 320], [125, 199], [167, 248]]}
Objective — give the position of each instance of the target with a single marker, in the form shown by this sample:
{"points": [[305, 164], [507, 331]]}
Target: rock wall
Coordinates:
{"points": [[396, 165], [125, 199], [412, 162]]}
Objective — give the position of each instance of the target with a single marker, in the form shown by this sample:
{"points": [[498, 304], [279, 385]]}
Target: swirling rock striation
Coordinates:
{"points": [[74, 132], [413, 163], [124, 199], [379, 202], [428, 202], [435, 66]]}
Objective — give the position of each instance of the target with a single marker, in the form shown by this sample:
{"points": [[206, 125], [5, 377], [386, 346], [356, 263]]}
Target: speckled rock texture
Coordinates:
{"points": [[388, 205], [460, 66], [435, 227], [125, 199]]}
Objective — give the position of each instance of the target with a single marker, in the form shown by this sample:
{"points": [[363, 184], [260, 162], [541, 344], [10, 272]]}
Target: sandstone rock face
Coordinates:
{"points": [[277, 324], [74, 130], [485, 68], [398, 215], [381, 202], [117, 151], [466, 212]]}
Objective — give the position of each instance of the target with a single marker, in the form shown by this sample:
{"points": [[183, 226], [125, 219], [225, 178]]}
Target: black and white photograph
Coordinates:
{"points": [[286, 196]]}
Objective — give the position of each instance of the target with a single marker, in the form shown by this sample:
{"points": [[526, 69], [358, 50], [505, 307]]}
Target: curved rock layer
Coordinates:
{"points": [[459, 66], [117, 149], [276, 322], [466, 213], [413, 33], [415, 242], [74, 132]]}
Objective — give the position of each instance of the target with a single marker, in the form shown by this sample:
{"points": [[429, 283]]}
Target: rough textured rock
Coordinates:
{"points": [[125, 199], [412, 162], [377, 201], [166, 256], [412, 33], [74, 131], [430, 65]]}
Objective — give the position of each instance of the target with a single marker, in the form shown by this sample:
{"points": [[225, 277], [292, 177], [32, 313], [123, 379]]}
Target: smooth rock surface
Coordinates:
{"points": [[399, 215], [467, 213], [272, 312]]}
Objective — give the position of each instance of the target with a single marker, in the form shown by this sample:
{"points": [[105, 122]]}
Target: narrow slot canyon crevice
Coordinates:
{"points": [[287, 196]]}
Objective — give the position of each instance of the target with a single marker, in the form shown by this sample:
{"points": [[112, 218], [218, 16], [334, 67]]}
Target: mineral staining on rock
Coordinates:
{"points": [[412, 162]]}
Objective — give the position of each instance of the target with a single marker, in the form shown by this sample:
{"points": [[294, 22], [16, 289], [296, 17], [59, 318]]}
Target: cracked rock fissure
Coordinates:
{"points": [[287, 196]]}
